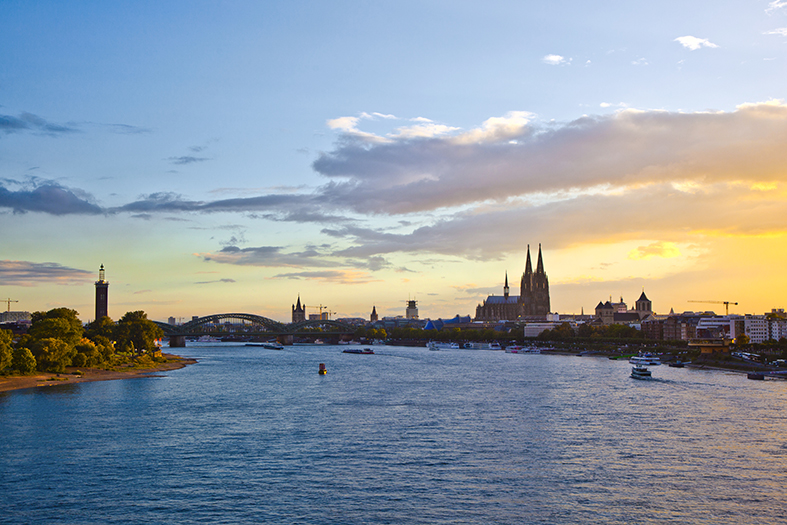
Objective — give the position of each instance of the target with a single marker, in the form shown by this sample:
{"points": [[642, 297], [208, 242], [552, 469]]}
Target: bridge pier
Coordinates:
{"points": [[285, 339], [177, 341]]}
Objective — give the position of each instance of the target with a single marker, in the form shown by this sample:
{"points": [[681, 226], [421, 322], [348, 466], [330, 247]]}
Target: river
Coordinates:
{"points": [[405, 436]]}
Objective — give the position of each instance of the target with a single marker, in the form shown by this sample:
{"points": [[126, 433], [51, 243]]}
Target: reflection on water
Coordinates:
{"points": [[251, 435]]}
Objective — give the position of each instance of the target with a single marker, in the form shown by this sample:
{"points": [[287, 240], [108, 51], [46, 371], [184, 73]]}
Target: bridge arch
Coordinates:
{"points": [[218, 319]]}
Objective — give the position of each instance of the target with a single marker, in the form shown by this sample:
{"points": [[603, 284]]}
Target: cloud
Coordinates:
{"points": [[217, 281], [331, 276], [485, 192], [187, 160], [521, 159], [25, 273], [30, 122], [126, 129], [694, 43], [553, 60], [781, 31], [272, 256], [663, 250], [48, 197], [774, 5]]}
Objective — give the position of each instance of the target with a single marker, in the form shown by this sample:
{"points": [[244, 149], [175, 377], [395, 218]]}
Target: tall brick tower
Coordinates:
{"points": [[102, 288]]}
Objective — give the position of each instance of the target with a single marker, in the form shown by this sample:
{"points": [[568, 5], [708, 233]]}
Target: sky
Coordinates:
{"points": [[232, 156]]}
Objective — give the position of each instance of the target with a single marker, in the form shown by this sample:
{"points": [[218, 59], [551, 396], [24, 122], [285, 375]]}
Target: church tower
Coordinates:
{"points": [[373, 318], [534, 298], [298, 312], [102, 289], [505, 288], [643, 306]]}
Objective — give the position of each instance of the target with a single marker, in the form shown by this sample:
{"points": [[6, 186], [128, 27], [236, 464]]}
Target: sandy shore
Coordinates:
{"points": [[42, 379]]}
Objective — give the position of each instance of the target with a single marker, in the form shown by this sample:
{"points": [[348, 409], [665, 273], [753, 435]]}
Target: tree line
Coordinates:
{"points": [[57, 339]]}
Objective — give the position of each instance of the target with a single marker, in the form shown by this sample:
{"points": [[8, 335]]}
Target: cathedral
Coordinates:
{"points": [[533, 300]]}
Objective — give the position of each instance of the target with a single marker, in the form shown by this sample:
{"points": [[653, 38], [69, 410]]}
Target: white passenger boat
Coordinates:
{"points": [[645, 360], [436, 345], [640, 372], [495, 346]]}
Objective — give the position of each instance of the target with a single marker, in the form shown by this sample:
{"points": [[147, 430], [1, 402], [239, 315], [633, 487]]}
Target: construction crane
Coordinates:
{"points": [[9, 301], [321, 308], [725, 303]]}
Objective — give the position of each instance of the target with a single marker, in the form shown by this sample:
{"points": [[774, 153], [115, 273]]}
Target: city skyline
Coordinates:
{"points": [[231, 157]]}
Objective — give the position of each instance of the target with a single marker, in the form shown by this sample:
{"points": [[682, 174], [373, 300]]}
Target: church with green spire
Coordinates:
{"points": [[532, 301]]}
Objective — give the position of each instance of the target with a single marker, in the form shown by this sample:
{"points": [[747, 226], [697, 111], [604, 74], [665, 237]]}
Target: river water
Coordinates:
{"points": [[407, 435]]}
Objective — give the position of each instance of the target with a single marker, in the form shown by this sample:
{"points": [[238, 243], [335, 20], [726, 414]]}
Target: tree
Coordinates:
{"points": [[6, 341], [101, 327], [53, 355], [742, 340], [23, 360], [58, 323], [87, 354], [136, 331]]}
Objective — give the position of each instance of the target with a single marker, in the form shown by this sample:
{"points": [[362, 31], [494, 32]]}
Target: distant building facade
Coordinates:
{"points": [[15, 317], [618, 313], [412, 309], [533, 300]]}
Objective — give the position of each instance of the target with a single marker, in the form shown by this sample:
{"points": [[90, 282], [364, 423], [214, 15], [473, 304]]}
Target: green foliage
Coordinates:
{"points": [[53, 355], [90, 354], [23, 361], [58, 323], [136, 332], [6, 342], [101, 327]]}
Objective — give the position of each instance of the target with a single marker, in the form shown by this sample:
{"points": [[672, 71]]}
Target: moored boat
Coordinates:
{"points": [[645, 359], [358, 351]]}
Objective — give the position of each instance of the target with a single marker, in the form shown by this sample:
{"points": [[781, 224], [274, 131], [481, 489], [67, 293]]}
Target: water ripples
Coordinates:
{"points": [[250, 435]]}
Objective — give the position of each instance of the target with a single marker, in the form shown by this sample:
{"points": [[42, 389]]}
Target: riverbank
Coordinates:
{"points": [[45, 379]]}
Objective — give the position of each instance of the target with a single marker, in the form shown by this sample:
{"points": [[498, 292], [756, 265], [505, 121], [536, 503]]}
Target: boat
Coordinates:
{"points": [[270, 345], [358, 351], [435, 345], [645, 359], [208, 339], [677, 364], [530, 350], [513, 349], [640, 372], [494, 346]]}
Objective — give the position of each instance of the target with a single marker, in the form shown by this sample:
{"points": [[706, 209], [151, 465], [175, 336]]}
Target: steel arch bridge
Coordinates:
{"points": [[240, 324]]}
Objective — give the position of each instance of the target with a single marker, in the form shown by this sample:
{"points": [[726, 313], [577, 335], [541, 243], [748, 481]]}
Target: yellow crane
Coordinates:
{"points": [[9, 301], [321, 308], [725, 303]]}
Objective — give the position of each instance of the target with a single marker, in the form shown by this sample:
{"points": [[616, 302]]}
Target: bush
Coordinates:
{"points": [[23, 361]]}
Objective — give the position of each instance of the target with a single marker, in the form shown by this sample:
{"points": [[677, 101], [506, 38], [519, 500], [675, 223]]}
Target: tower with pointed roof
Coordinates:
{"points": [[643, 306], [298, 311], [373, 318], [534, 294]]}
